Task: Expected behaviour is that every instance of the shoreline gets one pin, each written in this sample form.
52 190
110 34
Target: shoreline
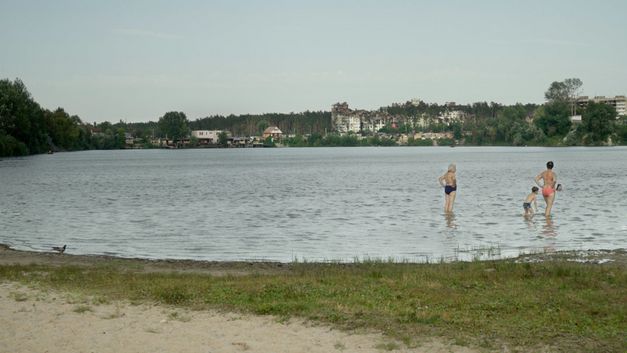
560 301
10 256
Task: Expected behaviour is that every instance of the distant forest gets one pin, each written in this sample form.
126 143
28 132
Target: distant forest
27 128
250 125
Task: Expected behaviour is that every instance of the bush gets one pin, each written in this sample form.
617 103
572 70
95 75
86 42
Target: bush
420 142
10 146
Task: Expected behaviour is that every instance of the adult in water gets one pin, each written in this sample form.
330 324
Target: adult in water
449 183
549 180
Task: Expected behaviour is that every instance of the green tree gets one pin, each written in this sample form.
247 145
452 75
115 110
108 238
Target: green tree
597 122
174 125
262 126
223 139
21 118
268 142
120 138
621 131
63 129
557 92
565 91
553 119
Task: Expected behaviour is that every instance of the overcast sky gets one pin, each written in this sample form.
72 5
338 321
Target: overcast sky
136 60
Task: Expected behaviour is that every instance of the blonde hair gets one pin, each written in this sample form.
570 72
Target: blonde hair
451 167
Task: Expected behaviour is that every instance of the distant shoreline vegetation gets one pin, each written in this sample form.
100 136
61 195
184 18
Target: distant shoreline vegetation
27 128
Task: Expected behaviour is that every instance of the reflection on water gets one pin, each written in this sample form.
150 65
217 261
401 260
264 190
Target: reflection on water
311 203
450 220
531 224
548 228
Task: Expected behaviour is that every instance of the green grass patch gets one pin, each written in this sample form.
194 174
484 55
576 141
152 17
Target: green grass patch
569 307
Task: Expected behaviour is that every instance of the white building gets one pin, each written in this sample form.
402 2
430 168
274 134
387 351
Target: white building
374 124
206 136
347 123
451 116
575 119
618 102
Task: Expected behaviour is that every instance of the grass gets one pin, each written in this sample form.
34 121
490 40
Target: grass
499 305
81 309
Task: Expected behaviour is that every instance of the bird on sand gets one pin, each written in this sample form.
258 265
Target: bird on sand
59 249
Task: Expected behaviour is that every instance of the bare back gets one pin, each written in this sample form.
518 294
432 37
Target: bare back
449 179
548 177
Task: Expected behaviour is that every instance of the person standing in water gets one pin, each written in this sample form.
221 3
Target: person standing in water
549 179
449 183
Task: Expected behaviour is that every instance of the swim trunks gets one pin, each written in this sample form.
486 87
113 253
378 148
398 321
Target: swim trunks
526 205
449 189
547 191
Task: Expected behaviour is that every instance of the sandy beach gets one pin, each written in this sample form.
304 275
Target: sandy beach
38 320
35 321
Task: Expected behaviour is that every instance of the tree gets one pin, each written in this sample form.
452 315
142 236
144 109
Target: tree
223 139
21 117
565 91
553 119
597 122
173 125
572 87
262 126
63 129
557 92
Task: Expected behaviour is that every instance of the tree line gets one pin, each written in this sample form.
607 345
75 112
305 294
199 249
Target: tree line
27 128
548 124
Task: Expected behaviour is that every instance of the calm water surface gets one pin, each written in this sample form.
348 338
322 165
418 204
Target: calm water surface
310 203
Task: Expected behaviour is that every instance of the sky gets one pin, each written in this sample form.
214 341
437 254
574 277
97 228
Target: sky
135 60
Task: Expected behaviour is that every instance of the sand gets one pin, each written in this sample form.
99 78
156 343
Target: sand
35 321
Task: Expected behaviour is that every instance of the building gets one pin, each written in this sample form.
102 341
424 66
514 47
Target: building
575 119
452 116
273 132
345 119
618 102
129 141
206 137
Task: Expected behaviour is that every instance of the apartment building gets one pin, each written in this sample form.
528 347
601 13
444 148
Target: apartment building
618 102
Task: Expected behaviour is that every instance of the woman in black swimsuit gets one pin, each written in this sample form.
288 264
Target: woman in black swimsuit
449 183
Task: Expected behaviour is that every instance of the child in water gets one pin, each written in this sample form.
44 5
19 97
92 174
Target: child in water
531 198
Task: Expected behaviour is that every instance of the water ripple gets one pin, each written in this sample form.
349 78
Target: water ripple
317 204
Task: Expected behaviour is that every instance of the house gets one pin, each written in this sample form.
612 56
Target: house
207 137
128 139
273 132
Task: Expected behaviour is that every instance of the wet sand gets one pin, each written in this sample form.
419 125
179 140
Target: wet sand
9 256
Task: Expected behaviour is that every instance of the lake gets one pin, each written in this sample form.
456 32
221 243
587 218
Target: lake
313 204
